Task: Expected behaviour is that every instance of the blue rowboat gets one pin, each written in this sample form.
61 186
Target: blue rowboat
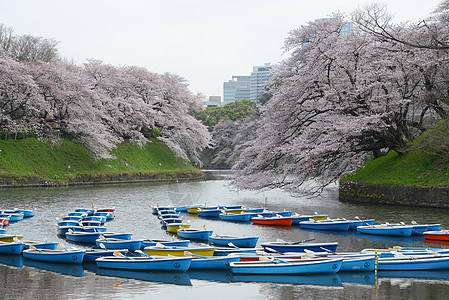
388 230
353 224
224 240
72 218
91 223
27 213
195 234
88 211
279 266
414 262
325 225
391 252
433 227
69 256
243 217
164 222
92 254
167 212
114 243
255 210
77 214
62 230
419 229
284 213
108 214
212 263
298 246
170 216
94 228
11 248
173 264
208 213
357 262
82 236
12 217
266 214
68 223
2 231
101 219
297 218
176 243
41 245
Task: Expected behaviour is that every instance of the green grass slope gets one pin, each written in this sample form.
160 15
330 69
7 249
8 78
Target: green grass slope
416 168
68 160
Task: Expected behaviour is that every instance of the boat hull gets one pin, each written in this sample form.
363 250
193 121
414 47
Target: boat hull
223 240
119 244
409 262
244 217
303 266
177 264
55 256
11 248
273 221
213 263
191 234
436 235
387 231
323 225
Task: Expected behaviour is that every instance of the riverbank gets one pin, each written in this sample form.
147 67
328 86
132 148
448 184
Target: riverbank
412 179
31 163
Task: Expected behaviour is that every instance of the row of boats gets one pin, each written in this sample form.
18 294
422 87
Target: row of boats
13 215
237 254
172 221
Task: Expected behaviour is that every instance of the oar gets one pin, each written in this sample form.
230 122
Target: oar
102 246
34 248
232 245
273 259
62 245
188 253
366 223
303 241
309 253
102 237
141 252
272 250
118 254
327 250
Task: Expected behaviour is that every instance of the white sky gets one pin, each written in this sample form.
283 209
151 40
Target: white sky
204 41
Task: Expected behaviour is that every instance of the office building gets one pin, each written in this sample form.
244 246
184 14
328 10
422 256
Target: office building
238 88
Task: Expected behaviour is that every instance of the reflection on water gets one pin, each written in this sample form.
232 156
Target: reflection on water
24 279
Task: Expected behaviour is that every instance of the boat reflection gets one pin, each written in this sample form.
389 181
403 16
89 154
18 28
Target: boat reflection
12 260
441 275
65 269
365 278
321 279
180 278
211 275
436 242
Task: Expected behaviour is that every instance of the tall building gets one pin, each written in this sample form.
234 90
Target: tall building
238 88
213 101
260 76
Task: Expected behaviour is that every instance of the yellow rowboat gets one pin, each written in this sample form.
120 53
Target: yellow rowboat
192 209
235 211
173 227
178 251
10 237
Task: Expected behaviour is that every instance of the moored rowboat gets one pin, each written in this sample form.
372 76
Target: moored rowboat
178 251
274 221
11 248
239 241
298 246
325 225
195 234
280 266
387 230
442 235
73 256
177 264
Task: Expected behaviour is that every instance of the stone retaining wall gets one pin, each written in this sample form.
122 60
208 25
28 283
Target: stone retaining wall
397 195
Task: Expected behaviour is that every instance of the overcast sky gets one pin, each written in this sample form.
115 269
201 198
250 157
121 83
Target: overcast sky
204 41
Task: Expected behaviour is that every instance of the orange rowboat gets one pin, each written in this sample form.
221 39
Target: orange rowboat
442 235
274 221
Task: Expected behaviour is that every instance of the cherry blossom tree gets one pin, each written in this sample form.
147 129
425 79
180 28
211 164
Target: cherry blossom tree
338 98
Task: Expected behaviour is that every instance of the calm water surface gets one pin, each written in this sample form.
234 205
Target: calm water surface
25 279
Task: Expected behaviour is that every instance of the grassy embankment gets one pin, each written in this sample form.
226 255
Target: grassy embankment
416 168
71 162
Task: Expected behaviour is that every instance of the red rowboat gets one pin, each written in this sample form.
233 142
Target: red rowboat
4 221
276 221
442 235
